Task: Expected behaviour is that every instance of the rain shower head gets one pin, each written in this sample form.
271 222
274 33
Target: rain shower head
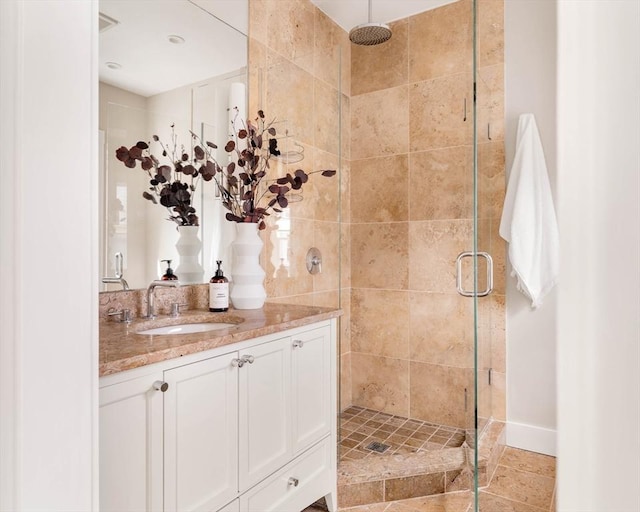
369 34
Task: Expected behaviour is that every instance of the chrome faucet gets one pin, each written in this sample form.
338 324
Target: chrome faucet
119 277
151 297
113 280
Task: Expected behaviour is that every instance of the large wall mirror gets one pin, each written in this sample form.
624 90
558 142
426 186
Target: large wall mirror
164 63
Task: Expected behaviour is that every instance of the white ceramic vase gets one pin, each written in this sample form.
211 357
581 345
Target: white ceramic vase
247 291
189 269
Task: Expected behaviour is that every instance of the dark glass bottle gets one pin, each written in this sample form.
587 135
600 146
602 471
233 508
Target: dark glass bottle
219 291
169 275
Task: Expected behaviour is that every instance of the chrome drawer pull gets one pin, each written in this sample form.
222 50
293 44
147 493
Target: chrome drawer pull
298 343
293 481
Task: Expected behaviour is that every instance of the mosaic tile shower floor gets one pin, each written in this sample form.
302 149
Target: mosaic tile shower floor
360 427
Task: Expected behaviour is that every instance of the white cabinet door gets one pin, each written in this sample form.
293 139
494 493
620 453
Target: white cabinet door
234 506
311 387
201 435
265 409
131 446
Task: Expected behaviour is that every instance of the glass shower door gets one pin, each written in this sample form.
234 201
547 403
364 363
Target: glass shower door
487 256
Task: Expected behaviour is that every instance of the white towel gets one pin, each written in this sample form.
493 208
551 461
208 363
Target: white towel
529 218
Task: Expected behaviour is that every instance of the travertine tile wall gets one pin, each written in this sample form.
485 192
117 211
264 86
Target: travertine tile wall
491 190
403 210
411 214
299 73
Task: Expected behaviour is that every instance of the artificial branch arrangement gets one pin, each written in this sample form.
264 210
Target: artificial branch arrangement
246 191
171 185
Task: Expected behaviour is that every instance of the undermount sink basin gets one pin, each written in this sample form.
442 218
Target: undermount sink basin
187 328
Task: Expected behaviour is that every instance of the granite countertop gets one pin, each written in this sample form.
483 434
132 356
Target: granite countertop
121 348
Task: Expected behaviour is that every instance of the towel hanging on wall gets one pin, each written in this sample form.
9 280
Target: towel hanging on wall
529 219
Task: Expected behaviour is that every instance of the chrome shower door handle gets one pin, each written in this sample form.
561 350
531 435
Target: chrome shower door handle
469 254
489 287
459 259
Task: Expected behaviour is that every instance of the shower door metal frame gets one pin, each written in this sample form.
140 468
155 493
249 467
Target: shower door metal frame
474 254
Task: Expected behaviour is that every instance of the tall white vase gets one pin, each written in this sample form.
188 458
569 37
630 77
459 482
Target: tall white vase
189 269
247 291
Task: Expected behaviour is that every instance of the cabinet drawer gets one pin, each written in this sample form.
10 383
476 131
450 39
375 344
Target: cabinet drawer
294 487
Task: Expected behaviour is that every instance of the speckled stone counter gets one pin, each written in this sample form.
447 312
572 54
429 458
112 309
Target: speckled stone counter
121 348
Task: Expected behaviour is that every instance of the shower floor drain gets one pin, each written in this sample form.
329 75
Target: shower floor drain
378 447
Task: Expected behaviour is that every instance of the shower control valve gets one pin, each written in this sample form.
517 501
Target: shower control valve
314 261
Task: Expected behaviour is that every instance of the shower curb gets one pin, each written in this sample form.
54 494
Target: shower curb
396 477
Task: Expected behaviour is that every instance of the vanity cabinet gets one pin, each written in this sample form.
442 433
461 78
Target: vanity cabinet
246 427
311 364
131 445
265 410
201 434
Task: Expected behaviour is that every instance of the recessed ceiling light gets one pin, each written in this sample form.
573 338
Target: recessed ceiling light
113 65
175 39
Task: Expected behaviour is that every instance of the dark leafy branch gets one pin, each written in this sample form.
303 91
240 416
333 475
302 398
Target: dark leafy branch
170 185
244 187
246 192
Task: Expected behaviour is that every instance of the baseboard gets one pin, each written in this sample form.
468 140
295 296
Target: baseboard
532 438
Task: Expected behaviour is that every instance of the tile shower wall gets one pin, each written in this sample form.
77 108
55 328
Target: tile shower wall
491 191
403 208
295 56
411 214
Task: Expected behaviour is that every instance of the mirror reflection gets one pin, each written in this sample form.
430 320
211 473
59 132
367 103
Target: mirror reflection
165 63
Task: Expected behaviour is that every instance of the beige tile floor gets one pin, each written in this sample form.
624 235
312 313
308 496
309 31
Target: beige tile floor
523 482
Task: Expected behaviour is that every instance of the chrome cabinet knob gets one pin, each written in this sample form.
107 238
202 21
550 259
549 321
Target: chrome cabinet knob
160 385
248 359
298 343
237 362
293 481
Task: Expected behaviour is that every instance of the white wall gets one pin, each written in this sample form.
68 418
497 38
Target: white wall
123 118
599 298
530 86
48 256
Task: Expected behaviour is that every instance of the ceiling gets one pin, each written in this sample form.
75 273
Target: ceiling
138 41
150 64
349 13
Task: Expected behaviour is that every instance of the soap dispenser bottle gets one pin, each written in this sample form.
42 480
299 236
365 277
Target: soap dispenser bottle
169 275
219 291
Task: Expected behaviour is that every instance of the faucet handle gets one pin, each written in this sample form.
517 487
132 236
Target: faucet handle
124 314
175 308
